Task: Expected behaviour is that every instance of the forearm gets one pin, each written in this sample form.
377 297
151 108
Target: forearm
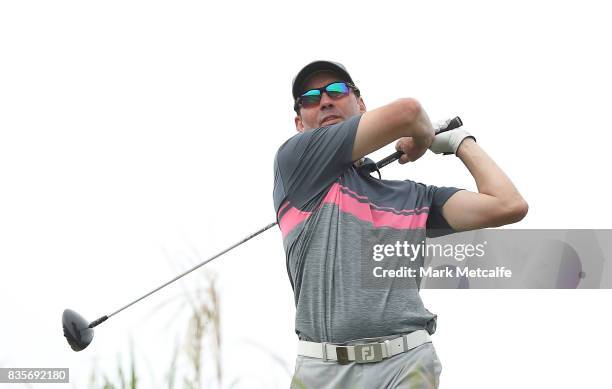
490 179
402 118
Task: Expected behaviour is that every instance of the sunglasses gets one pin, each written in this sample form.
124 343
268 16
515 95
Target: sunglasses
335 90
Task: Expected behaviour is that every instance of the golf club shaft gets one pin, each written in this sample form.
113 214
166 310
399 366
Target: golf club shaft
193 268
445 126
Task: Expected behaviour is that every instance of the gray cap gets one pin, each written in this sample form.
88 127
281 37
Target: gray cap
318 66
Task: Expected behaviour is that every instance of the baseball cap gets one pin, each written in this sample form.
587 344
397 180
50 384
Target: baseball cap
318 66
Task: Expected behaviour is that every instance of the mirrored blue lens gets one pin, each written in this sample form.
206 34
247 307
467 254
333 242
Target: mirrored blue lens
311 98
337 89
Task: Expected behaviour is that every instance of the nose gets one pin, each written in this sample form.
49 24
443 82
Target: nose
326 101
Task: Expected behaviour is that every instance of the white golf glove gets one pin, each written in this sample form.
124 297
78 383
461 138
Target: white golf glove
448 142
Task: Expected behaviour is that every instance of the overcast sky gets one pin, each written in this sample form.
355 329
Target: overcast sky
137 138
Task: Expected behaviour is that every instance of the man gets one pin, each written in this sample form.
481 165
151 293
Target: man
352 333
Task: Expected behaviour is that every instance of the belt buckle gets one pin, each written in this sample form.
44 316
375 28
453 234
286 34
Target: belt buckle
342 355
368 353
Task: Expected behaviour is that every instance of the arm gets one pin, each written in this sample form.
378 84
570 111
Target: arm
497 202
401 118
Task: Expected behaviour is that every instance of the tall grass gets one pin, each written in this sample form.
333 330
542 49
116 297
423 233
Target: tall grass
204 324
124 381
203 329
198 355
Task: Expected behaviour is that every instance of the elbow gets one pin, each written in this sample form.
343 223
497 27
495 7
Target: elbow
407 111
410 107
515 211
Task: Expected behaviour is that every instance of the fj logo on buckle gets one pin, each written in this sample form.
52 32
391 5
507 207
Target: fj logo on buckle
366 353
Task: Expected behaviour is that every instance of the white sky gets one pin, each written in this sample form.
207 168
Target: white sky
132 132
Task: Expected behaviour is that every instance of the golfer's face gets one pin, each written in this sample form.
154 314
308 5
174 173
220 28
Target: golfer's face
329 111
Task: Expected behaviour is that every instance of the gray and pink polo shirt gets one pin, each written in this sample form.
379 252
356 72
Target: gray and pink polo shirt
328 212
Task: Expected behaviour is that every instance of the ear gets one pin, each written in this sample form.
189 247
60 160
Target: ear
362 106
299 126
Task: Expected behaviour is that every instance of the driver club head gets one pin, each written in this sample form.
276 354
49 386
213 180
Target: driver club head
76 330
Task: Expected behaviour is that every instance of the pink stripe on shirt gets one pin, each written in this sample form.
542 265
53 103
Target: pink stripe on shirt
378 218
292 218
363 211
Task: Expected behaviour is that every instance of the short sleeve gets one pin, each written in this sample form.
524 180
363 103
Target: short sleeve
436 223
311 161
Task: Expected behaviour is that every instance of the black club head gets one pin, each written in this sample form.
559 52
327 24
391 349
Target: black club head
76 330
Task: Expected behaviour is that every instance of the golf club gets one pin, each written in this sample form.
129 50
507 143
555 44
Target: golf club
79 332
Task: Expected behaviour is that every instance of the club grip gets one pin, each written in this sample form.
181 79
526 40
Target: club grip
447 125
